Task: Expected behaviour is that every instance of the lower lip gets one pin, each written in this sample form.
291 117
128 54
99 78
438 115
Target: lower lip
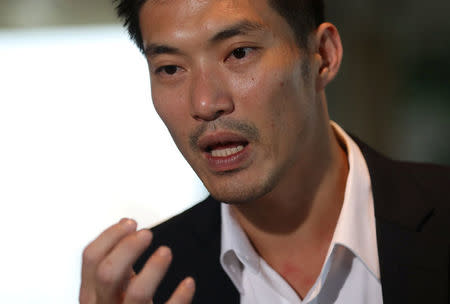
228 163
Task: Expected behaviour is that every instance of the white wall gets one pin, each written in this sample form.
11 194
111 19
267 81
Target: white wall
80 147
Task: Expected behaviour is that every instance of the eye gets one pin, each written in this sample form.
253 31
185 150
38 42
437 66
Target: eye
167 69
241 52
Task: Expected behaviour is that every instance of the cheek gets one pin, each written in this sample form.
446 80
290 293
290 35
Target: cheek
274 99
256 90
259 102
265 95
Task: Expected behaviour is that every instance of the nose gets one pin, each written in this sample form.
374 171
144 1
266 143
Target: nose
210 98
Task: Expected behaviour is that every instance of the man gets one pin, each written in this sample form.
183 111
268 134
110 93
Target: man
299 211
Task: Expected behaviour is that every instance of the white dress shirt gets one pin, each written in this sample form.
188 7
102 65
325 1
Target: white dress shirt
350 273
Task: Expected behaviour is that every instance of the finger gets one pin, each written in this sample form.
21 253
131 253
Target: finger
96 250
143 286
131 276
184 292
115 270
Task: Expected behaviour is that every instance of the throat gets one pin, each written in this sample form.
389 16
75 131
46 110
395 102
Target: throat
299 269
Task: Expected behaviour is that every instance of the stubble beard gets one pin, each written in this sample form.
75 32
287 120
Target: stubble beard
238 192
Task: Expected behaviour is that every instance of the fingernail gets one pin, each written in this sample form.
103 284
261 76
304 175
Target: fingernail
164 251
129 223
144 234
189 283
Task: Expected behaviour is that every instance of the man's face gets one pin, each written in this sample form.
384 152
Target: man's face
232 87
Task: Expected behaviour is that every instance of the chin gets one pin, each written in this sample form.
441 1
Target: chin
237 192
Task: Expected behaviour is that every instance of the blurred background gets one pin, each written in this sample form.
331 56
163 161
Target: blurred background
394 87
81 146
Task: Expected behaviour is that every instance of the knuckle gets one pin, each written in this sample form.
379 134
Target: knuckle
87 296
105 273
138 294
89 256
83 297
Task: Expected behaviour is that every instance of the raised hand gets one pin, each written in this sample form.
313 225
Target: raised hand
107 276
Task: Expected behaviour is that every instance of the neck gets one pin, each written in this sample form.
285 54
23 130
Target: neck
296 221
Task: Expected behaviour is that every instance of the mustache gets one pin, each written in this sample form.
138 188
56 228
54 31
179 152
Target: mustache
244 128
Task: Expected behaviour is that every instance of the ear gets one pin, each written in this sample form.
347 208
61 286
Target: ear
328 54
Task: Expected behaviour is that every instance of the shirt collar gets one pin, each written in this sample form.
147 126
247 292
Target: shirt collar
236 250
355 228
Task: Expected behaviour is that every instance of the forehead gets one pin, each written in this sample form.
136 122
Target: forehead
193 19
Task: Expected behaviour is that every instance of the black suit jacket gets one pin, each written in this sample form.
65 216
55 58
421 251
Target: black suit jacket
412 224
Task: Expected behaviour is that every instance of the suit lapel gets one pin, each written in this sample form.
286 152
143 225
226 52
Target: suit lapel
214 286
411 262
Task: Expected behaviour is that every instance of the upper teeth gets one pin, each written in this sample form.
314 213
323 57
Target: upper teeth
226 151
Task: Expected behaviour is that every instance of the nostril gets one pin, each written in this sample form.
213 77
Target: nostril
220 113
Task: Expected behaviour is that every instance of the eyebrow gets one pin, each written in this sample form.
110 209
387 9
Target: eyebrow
157 49
240 28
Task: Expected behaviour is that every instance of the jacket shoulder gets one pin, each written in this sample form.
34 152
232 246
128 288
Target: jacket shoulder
188 219
194 239
414 195
180 231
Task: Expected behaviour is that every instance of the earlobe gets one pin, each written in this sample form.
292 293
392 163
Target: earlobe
328 52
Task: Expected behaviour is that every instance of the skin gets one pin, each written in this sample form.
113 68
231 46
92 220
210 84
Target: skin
107 275
234 67
260 90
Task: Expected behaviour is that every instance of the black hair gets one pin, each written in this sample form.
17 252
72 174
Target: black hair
304 16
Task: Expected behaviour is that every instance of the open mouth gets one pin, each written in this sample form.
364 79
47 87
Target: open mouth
225 151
